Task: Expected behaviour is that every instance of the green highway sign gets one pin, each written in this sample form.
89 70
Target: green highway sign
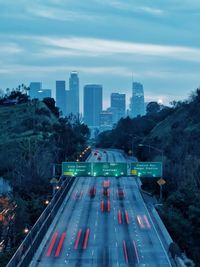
76 169
94 169
146 169
109 169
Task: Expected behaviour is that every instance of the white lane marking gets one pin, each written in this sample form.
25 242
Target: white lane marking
94 236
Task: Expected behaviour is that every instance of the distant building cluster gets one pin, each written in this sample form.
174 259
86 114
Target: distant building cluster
68 100
36 91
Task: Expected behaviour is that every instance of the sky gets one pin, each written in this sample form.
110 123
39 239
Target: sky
109 42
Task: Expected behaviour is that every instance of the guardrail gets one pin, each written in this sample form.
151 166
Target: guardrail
24 254
28 247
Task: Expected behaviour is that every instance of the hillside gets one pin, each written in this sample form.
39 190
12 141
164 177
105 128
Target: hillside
32 139
175 133
31 120
17 121
183 119
163 128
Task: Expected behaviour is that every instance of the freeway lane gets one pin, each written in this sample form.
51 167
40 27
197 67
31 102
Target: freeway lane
113 228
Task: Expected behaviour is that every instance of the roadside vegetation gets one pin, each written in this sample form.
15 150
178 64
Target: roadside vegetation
33 136
176 131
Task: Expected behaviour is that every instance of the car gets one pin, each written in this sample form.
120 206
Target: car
106 183
120 193
104 152
105 192
105 206
99 157
92 191
95 153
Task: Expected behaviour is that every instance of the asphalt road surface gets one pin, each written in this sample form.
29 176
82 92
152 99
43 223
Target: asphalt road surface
102 227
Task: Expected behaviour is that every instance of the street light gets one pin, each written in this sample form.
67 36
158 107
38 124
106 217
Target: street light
162 154
26 230
134 136
46 202
155 148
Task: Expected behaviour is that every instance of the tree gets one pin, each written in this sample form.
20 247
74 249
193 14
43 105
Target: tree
153 108
31 165
51 104
174 250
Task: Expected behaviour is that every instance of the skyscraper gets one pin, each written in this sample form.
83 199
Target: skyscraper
73 94
61 96
118 106
36 91
44 93
69 102
35 87
106 120
137 100
92 104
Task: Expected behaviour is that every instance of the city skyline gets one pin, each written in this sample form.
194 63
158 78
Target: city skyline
107 103
68 101
157 44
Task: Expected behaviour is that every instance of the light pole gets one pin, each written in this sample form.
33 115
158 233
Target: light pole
134 136
162 154
156 149
54 181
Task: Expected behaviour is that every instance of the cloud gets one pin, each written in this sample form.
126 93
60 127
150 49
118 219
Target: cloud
59 14
152 11
9 49
105 47
60 53
133 7
99 70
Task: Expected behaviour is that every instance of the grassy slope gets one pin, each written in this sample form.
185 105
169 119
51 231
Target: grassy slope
12 128
162 130
179 119
12 117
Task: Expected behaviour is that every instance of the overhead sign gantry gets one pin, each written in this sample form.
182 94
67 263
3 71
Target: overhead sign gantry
146 169
108 169
76 169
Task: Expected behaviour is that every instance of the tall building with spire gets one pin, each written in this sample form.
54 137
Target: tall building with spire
137 100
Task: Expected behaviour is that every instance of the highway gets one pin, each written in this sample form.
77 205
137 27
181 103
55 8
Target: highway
96 227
